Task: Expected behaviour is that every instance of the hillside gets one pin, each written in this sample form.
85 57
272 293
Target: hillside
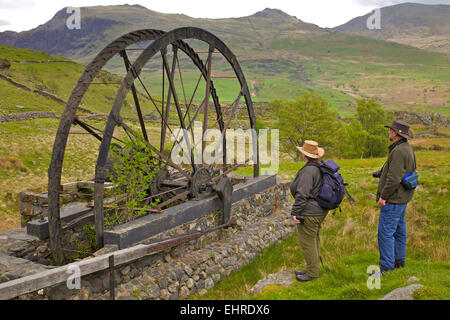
280 55
422 26
42 76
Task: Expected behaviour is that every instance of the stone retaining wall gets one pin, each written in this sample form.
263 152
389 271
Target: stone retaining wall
262 219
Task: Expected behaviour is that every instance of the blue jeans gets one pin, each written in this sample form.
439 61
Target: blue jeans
392 235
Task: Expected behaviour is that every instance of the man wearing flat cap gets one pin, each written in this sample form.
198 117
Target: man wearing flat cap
306 212
393 197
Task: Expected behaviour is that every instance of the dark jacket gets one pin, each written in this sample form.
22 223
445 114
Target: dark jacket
400 161
305 189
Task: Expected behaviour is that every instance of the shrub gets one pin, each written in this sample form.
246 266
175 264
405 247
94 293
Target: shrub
134 167
5 64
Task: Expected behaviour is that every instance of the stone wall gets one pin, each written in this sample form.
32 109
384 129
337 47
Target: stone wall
27 116
262 219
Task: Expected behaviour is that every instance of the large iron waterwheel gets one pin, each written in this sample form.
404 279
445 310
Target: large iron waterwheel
177 109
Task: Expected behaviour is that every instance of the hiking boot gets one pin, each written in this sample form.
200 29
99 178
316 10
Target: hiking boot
303 277
378 274
300 272
399 264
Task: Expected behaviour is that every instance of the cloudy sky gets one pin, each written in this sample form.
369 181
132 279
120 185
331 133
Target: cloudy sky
20 15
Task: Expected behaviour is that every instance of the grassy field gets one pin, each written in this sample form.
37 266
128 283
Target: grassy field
348 239
340 72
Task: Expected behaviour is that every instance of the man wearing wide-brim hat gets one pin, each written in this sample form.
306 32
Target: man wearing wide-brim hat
306 212
393 197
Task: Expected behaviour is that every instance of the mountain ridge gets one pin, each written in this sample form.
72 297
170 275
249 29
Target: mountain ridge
280 55
100 21
419 25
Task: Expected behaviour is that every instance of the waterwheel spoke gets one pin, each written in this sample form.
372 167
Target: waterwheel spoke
197 112
185 99
124 55
153 101
227 124
170 76
90 129
179 111
161 146
163 157
207 94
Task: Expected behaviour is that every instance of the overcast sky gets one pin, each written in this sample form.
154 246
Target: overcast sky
21 15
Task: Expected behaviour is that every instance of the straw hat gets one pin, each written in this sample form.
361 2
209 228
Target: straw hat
311 149
402 129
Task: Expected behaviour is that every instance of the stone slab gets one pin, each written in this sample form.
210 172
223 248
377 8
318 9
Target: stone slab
13 268
39 228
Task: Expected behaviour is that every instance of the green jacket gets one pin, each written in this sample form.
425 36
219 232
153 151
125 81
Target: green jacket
400 161
305 189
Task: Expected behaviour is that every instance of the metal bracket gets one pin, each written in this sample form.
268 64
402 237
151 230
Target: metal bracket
224 190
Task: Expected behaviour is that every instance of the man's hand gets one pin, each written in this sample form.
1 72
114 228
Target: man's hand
296 221
382 202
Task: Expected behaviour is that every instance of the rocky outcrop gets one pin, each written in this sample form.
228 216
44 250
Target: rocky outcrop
285 278
405 293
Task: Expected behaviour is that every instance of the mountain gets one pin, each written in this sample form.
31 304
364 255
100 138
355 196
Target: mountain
102 24
280 55
422 26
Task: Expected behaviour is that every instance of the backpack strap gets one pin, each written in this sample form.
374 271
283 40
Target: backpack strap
348 194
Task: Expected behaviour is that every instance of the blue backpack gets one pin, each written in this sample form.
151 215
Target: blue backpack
332 189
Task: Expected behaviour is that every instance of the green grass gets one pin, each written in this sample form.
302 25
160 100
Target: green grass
12 53
11 97
59 79
25 153
348 239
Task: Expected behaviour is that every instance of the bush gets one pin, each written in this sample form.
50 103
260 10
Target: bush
134 167
5 64
259 125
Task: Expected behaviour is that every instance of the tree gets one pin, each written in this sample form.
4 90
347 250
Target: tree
306 118
353 140
373 118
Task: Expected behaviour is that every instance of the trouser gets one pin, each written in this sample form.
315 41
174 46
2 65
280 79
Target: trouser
392 235
308 236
